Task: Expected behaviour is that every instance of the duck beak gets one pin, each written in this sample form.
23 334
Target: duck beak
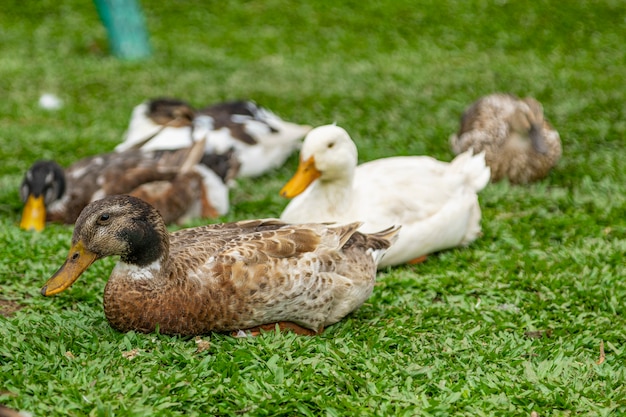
34 214
304 176
76 263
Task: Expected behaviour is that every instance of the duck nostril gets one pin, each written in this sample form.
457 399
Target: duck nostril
75 256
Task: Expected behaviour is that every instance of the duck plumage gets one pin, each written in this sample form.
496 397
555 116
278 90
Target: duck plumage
435 202
260 139
518 142
173 181
222 277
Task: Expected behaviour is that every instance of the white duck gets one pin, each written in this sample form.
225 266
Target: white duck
435 202
260 139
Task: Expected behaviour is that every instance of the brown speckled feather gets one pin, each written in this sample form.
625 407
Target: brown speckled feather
175 198
230 276
154 177
519 143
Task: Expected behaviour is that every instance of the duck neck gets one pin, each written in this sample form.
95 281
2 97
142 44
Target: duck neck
146 263
147 244
333 196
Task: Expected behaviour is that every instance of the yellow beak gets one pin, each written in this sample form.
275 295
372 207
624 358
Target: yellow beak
34 214
76 263
304 176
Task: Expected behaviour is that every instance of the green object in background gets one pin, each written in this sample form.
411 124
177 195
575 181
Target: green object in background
125 25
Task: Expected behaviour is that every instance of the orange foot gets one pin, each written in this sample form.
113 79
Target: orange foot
282 326
418 260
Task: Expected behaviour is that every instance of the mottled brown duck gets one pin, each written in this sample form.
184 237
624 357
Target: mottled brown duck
223 277
173 181
518 142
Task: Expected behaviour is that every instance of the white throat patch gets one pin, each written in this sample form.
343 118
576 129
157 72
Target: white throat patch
137 272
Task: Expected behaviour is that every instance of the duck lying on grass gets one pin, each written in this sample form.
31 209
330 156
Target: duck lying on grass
260 139
223 277
435 202
174 182
518 142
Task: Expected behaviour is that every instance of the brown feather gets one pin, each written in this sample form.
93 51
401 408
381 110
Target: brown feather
164 179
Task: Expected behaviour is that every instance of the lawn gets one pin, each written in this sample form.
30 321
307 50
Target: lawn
512 325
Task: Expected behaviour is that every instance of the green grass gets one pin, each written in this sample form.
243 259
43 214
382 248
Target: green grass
510 325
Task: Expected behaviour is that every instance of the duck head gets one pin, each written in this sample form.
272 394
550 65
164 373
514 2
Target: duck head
171 112
116 225
527 121
43 184
328 153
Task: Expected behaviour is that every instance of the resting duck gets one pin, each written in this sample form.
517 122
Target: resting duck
173 181
434 202
261 140
519 144
222 277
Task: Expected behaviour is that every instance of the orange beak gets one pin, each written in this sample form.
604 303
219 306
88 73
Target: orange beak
76 263
304 176
34 214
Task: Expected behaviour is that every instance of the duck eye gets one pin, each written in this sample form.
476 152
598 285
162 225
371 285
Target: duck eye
331 144
104 218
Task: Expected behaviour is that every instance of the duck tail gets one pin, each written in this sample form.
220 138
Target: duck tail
378 243
390 235
377 240
473 167
283 132
347 233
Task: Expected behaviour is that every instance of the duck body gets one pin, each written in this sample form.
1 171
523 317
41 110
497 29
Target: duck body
435 202
260 139
223 277
518 142
171 181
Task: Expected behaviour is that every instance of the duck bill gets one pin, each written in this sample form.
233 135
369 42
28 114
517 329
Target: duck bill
304 176
34 214
76 263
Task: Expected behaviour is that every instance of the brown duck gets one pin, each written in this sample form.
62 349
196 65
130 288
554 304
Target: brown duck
225 277
519 143
172 181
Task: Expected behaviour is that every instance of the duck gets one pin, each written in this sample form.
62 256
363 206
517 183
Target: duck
261 140
180 187
434 202
519 143
243 276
